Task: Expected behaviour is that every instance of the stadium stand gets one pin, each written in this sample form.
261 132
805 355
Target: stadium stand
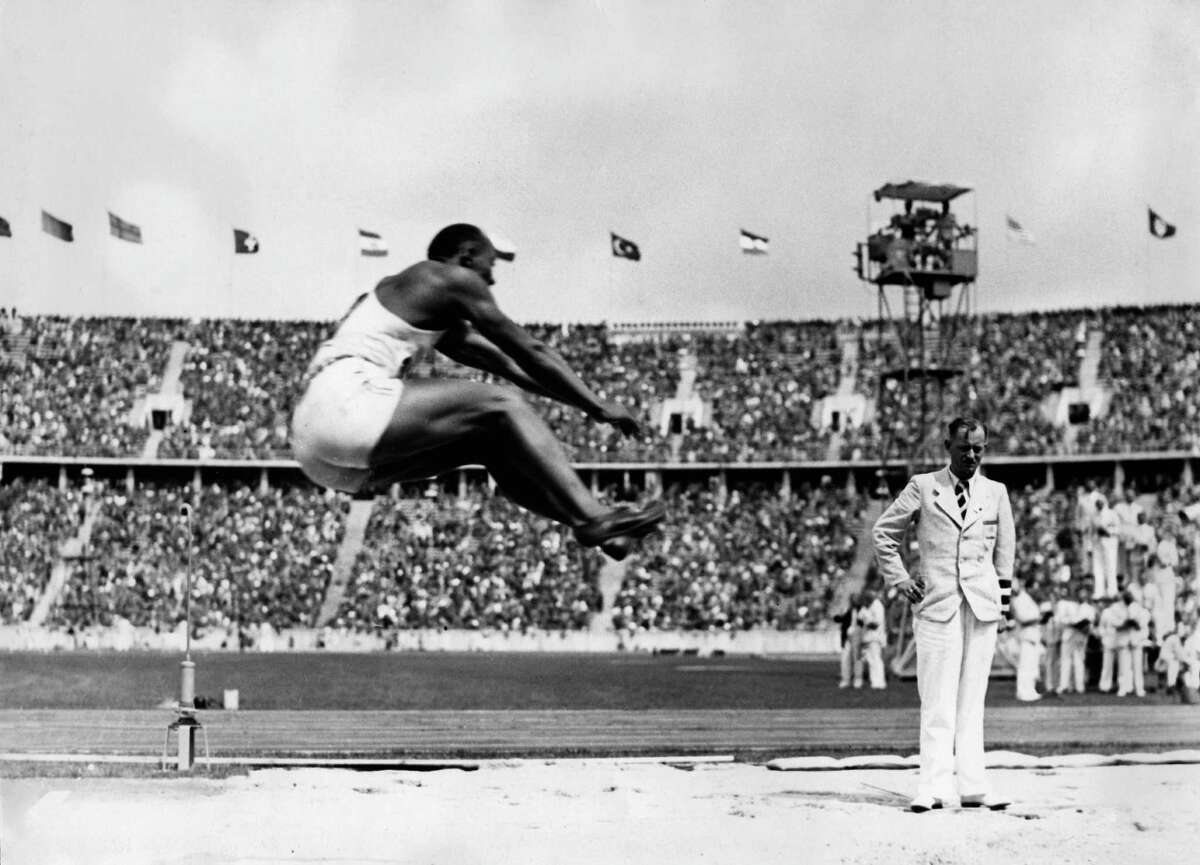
742 549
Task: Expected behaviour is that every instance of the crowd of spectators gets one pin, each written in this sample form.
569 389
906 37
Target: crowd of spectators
438 561
1149 360
36 518
1011 365
71 387
73 384
243 379
742 558
762 385
260 556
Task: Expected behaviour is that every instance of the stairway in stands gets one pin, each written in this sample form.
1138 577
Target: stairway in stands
864 556
1089 384
847 338
170 385
70 550
347 554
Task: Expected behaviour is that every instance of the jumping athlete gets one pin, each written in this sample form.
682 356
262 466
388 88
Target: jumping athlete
361 426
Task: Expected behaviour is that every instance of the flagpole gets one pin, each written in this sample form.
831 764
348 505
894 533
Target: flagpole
229 283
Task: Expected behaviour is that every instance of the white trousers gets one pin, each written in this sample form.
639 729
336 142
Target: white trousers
852 665
872 655
1130 674
1029 653
1104 567
954 660
1108 661
1070 661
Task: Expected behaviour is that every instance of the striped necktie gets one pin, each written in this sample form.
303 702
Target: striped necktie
960 490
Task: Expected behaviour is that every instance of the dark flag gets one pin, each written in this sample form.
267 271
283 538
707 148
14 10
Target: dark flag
623 248
372 244
57 228
5 230
1159 227
123 230
753 244
244 243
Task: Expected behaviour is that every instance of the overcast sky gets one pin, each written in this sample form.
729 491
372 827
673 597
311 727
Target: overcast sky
553 122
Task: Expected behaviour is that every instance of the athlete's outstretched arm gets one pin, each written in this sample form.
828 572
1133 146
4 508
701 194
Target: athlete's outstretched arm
542 364
468 346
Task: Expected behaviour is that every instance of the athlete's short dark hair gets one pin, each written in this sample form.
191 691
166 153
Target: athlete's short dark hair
966 424
446 243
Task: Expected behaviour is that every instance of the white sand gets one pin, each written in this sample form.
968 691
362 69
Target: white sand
569 812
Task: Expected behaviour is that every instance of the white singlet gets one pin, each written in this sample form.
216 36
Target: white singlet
353 385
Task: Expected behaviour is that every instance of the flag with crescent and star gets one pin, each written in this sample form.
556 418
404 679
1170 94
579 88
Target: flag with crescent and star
623 248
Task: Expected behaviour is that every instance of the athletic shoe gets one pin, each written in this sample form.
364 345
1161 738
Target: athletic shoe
618 548
625 521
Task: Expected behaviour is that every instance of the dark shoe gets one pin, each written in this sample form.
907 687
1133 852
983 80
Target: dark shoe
621 521
618 548
921 804
989 801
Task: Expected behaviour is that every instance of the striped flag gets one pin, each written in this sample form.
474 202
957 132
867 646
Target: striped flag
372 244
1159 227
754 244
57 228
123 230
1017 233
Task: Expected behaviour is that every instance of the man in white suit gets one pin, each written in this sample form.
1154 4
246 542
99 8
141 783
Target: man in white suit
967 542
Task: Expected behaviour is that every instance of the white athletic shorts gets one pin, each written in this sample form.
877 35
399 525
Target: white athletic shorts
339 420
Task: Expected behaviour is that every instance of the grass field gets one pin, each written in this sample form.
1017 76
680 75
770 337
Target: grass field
459 681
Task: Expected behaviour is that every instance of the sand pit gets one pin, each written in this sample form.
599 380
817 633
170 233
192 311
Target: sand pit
593 812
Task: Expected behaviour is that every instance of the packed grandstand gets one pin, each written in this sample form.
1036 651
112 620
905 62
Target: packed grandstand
771 442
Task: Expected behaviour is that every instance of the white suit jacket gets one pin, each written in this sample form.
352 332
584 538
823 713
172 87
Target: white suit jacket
958 558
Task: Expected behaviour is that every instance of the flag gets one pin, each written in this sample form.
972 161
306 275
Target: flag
123 230
623 248
754 244
244 243
5 230
1016 232
57 228
1159 227
372 244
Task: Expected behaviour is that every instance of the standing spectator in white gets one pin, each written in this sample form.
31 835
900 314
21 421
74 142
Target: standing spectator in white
852 665
1075 617
1106 534
1028 618
1108 629
1131 645
1141 546
1127 511
966 540
1051 639
1170 661
1167 554
1163 581
873 630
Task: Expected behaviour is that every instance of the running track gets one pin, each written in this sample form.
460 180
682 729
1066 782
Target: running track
747 733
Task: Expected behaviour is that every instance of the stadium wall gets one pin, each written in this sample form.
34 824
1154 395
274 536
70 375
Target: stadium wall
130 639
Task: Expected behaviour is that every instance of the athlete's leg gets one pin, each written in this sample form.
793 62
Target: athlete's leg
439 425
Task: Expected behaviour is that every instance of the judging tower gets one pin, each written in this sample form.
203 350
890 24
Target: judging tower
921 256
